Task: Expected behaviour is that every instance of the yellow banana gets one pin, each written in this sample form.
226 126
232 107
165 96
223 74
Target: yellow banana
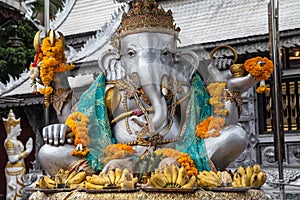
44 184
105 178
95 179
214 174
36 40
207 183
124 173
62 38
256 168
154 183
181 180
52 37
73 173
191 182
241 170
237 179
89 185
174 173
112 176
78 178
80 185
254 180
49 180
168 173
118 174
159 180
261 178
249 171
245 181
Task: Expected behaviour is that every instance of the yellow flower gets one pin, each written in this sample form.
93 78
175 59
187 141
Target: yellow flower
260 68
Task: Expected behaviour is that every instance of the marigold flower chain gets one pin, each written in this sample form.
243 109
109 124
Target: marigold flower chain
78 122
216 92
52 61
210 127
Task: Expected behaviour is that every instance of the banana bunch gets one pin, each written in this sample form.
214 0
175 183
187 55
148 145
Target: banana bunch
209 179
249 176
114 178
45 182
172 177
76 179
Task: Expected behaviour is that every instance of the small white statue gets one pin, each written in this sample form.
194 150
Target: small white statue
15 168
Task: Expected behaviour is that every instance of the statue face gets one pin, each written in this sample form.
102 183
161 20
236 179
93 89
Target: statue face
15 130
148 56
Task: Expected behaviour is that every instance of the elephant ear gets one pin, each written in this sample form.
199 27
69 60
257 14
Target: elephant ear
110 65
186 62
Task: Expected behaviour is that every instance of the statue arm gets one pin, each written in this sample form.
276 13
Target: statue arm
241 84
13 157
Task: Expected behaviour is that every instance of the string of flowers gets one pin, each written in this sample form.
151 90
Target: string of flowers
78 122
52 60
182 158
210 127
117 151
261 69
216 92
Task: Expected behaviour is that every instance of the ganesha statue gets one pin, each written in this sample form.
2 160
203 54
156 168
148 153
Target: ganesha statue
149 97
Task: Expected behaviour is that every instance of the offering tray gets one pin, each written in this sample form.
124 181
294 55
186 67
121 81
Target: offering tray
49 191
171 190
227 189
109 190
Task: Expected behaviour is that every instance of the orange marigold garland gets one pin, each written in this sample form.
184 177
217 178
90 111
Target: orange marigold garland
52 61
216 92
210 127
261 69
117 151
182 158
78 122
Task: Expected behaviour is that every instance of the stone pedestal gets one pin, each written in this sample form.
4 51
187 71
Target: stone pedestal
199 194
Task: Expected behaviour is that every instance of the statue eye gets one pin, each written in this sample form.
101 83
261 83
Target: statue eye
165 53
131 53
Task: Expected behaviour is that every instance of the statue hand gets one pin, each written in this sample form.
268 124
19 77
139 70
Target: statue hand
218 70
222 63
55 134
29 145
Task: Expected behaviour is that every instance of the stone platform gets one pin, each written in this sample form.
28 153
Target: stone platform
252 194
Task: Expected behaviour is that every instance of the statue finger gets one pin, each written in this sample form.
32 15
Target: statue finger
50 134
45 134
63 130
56 134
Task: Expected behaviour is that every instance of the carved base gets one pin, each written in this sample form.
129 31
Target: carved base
250 194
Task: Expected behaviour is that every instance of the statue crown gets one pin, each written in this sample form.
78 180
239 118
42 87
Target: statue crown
10 121
146 16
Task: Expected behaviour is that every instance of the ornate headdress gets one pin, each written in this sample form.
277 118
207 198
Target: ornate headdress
10 121
145 16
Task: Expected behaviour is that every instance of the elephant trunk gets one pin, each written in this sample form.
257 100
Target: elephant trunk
159 105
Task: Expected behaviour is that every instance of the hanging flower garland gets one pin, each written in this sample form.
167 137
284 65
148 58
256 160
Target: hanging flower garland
182 158
117 151
216 92
78 122
51 60
210 127
261 69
